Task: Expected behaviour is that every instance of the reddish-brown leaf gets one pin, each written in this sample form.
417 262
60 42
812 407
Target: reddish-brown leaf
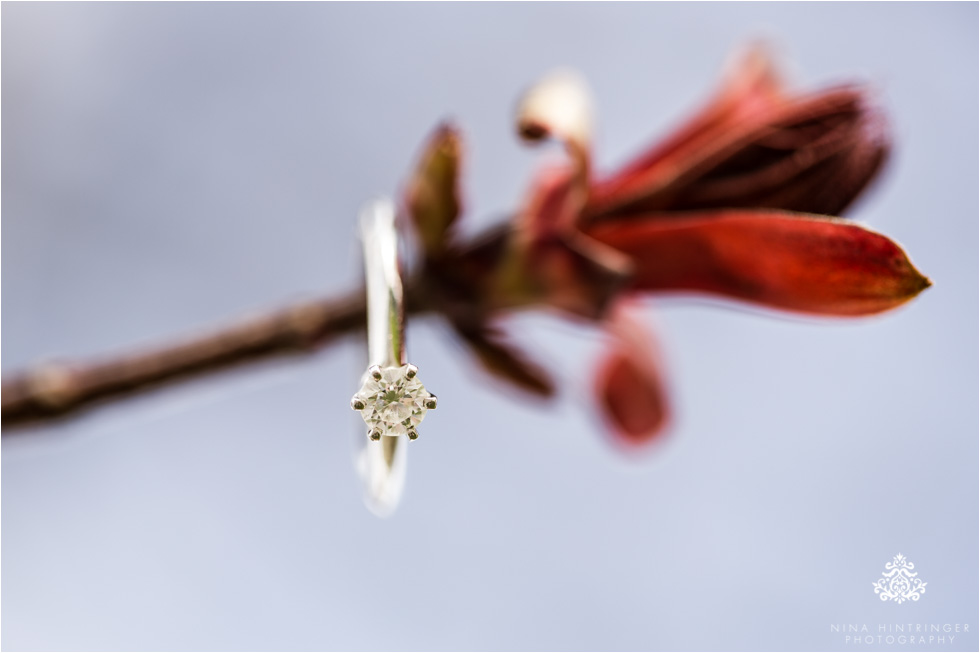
546 260
799 262
504 361
628 384
570 272
756 148
432 193
751 88
553 204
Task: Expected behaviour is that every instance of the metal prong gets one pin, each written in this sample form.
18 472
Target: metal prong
431 402
411 371
357 403
413 434
375 372
374 434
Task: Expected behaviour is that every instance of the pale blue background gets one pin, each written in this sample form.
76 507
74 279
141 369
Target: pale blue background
166 167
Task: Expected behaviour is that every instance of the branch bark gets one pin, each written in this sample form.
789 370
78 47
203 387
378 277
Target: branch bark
56 389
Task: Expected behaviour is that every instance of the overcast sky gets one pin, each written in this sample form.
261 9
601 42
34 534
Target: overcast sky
170 166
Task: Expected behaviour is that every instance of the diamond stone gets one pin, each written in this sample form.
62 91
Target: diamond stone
395 403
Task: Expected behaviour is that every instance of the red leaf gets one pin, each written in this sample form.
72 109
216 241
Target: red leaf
798 262
752 87
756 148
628 383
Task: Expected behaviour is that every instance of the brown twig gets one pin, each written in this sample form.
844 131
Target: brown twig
57 389
52 390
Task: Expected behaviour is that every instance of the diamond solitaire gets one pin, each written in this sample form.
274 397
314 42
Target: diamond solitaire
392 401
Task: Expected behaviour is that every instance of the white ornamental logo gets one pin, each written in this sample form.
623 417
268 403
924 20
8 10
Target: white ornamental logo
899 582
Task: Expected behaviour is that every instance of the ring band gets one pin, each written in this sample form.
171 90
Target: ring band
385 295
392 400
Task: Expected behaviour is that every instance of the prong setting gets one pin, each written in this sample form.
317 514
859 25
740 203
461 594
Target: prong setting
392 401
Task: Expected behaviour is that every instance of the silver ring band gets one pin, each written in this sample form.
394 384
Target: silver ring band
385 296
392 400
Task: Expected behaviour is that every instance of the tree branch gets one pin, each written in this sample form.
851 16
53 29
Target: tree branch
53 390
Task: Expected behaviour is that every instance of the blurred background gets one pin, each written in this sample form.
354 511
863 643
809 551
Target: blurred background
167 167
